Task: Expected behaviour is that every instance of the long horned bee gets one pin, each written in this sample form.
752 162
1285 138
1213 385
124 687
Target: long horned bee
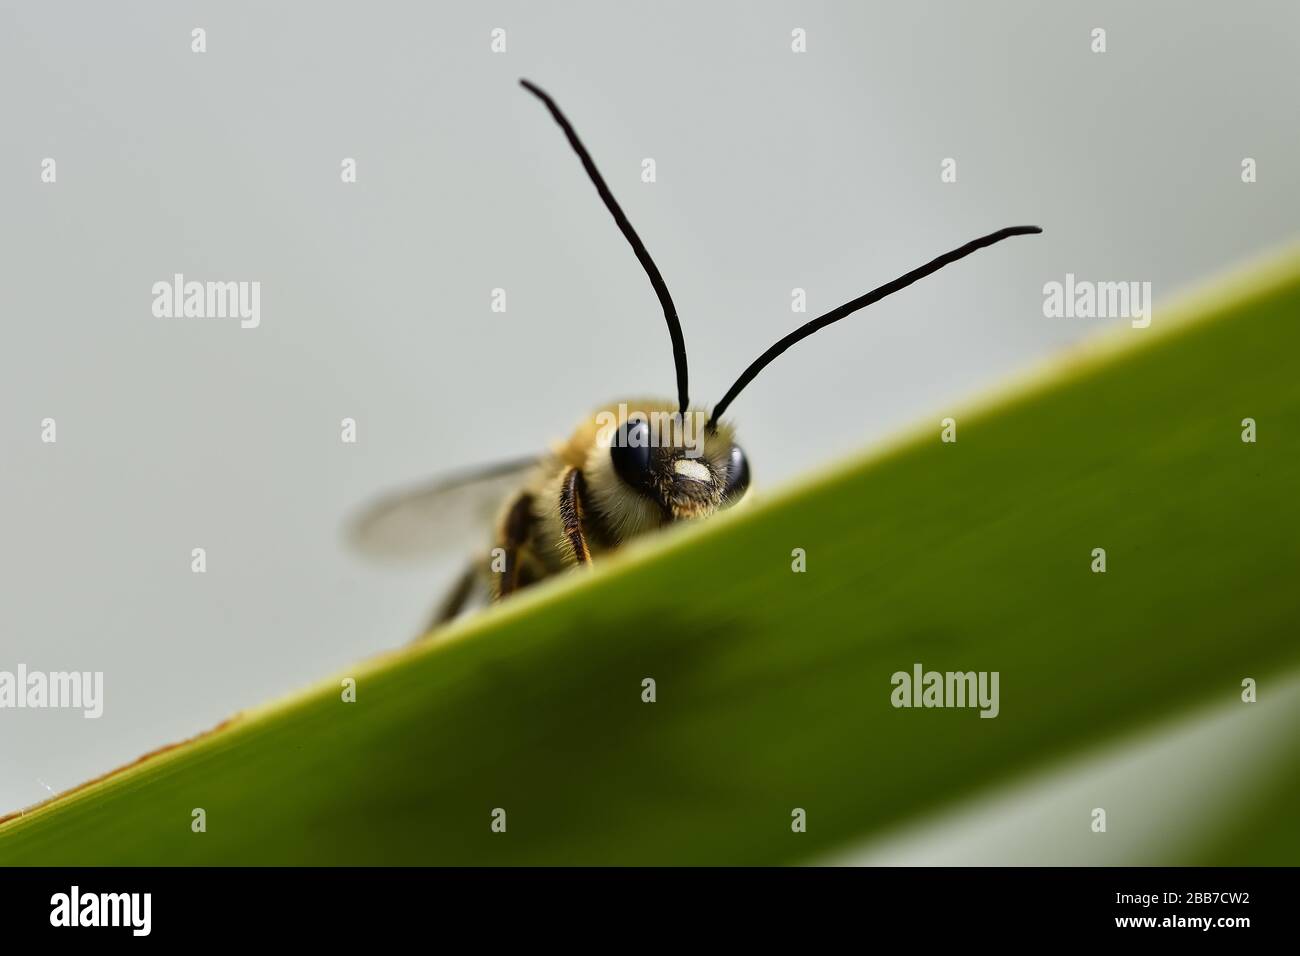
629 468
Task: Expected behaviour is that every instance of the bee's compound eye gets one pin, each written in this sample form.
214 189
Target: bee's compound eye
737 474
630 452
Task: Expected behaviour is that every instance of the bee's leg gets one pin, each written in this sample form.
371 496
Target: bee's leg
457 597
573 513
516 532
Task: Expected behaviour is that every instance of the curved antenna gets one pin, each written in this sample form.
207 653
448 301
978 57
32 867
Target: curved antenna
648 264
848 308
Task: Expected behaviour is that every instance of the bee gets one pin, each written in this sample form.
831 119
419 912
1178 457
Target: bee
629 468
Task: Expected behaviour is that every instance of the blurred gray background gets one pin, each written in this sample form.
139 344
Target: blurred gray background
775 170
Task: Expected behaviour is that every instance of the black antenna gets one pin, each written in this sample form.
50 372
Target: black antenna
848 308
648 264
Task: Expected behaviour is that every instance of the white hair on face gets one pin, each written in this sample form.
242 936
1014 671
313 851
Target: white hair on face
624 511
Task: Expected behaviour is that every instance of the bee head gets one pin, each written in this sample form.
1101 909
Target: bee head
674 461
656 466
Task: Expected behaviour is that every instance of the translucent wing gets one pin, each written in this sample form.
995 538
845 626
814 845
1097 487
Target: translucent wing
449 515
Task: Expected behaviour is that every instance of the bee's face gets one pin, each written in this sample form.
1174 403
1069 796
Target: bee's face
685 473
650 466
